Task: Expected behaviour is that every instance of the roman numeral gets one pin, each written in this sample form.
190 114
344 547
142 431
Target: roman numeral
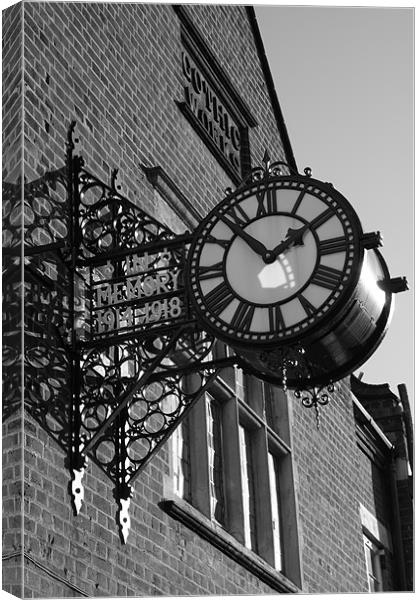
219 298
236 214
322 218
327 277
275 318
306 305
242 318
271 197
261 210
209 272
298 202
333 245
212 240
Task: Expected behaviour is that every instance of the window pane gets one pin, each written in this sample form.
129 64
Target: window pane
214 440
181 462
373 565
275 510
248 496
271 408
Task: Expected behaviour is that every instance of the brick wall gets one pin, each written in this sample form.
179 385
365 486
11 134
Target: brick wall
116 69
12 496
12 93
325 461
334 477
12 488
73 556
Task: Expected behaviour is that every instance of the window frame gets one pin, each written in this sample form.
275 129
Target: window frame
373 551
242 402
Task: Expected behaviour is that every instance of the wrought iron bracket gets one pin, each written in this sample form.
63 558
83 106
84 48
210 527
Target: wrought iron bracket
114 358
108 392
313 397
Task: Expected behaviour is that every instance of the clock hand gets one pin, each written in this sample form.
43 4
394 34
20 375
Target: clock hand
254 244
293 236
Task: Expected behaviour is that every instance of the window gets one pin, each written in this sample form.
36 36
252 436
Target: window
247 487
275 509
377 541
232 463
215 459
373 564
181 464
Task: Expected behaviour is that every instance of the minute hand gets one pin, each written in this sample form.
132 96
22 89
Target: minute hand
293 236
256 245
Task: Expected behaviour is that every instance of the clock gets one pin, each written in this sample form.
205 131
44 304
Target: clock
273 263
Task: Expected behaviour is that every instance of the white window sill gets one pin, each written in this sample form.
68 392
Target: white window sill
185 513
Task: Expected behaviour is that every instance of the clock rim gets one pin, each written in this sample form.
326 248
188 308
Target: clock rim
243 193
364 352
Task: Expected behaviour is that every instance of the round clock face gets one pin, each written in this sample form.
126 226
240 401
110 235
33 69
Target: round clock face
269 263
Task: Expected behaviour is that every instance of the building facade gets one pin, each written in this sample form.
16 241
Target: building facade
253 493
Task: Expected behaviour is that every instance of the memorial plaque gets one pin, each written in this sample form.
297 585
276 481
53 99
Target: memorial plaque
135 293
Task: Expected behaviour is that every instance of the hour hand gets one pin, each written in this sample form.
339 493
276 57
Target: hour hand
254 244
293 237
296 235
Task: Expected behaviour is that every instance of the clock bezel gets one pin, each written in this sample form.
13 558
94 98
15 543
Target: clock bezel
327 311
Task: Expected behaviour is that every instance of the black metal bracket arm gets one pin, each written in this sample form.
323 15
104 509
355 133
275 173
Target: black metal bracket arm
395 285
372 240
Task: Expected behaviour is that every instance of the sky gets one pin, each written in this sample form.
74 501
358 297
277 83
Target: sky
345 83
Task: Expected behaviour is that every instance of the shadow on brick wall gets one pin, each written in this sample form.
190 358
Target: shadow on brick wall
36 289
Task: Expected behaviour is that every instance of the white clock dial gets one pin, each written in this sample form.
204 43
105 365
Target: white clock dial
268 264
266 283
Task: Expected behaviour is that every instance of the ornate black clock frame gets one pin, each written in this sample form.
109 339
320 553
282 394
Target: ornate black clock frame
265 205
116 351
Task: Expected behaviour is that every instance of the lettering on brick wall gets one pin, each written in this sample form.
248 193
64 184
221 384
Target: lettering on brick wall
209 110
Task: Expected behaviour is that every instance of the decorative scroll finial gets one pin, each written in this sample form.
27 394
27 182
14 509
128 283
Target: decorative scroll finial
77 464
265 171
70 132
77 490
314 398
113 185
266 160
123 496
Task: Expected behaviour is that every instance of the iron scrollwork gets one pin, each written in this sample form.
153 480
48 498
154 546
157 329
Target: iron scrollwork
91 394
266 171
109 394
113 355
315 397
35 215
110 222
